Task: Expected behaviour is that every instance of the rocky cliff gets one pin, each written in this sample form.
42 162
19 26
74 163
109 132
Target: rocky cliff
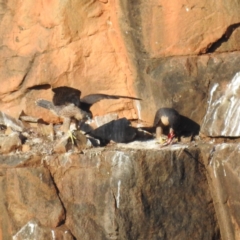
181 54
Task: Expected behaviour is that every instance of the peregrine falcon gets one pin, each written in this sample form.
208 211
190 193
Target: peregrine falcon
166 118
66 111
66 103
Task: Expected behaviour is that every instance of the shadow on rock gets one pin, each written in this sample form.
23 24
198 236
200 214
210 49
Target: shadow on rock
187 127
119 131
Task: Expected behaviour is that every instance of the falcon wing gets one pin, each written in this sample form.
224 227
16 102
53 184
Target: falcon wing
89 100
65 95
93 98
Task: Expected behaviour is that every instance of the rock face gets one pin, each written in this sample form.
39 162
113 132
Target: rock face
109 194
180 54
223 175
61 43
135 186
129 191
223 112
146 49
10 143
28 195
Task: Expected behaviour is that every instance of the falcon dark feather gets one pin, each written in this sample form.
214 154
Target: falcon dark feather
89 100
66 95
166 118
63 95
169 121
67 111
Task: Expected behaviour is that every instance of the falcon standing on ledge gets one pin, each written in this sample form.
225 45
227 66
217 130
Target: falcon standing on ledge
67 111
66 103
166 118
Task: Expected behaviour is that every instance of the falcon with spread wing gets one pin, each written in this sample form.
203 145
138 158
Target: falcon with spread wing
63 95
66 103
67 111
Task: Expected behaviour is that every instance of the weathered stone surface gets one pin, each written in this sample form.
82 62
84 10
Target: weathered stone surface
116 47
183 83
222 164
10 143
107 194
101 120
28 194
61 43
26 148
159 34
163 28
223 113
129 191
11 122
149 49
19 160
33 230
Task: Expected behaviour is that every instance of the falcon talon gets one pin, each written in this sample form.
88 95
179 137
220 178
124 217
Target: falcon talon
72 136
161 141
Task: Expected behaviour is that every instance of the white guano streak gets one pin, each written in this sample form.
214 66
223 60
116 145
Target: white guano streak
230 99
118 194
53 235
138 106
30 225
232 119
210 105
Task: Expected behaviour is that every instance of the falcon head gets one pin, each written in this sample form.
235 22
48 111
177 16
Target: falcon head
82 115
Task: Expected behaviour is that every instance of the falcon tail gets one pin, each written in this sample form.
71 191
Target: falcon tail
45 104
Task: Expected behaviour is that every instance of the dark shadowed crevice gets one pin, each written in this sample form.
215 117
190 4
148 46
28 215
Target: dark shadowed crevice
28 70
225 37
57 191
40 87
196 158
64 209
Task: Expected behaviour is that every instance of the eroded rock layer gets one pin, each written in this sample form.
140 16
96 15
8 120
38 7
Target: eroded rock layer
180 54
109 193
166 53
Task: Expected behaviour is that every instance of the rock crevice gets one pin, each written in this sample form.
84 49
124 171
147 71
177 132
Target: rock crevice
225 37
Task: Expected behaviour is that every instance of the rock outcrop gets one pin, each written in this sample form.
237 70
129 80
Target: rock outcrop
146 49
223 112
123 192
109 193
180 54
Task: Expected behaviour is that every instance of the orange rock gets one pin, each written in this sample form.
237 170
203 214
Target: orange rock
26 148
10 143
39 191
183 28
53 48
101 48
